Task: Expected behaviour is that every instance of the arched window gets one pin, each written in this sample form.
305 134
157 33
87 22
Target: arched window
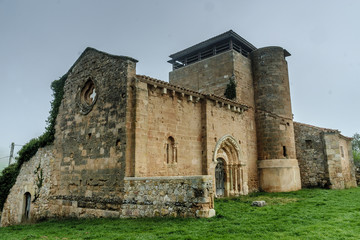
171 151
88 93
86 98
27 199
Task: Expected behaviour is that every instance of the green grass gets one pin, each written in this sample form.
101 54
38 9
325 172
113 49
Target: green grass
306 214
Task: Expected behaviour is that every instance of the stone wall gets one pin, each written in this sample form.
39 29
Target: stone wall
347 162
91 130
242 128
244 79
341 165
183 196
163 117
278 167
325 157
310 154
273 105
196 123
34 178
168 196
210 75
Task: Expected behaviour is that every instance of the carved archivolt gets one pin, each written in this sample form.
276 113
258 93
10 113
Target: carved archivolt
229 146
230 171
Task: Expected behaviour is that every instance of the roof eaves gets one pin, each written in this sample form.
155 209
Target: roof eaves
211 41
154 81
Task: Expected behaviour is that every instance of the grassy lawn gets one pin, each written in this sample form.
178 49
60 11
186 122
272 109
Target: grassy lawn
306 214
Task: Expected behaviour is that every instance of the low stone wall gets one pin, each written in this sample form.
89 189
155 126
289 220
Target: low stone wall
189 196
34 178
180 196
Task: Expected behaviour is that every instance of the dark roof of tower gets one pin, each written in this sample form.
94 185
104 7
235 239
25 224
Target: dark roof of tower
223 42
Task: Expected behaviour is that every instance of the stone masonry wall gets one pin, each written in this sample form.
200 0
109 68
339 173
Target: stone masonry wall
340 162
168 196
341 165
210 75
183 196
278 167
325 157
163 116
332 149
244 79
90 159
220 122
347 162
310 154
196 124
34 178
275 132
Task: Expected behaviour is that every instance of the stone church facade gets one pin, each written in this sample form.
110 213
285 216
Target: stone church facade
128 145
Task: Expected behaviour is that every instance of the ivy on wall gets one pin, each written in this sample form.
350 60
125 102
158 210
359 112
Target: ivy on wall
38 181
30 149
8 175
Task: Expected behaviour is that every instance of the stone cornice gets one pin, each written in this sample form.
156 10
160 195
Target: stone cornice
193 95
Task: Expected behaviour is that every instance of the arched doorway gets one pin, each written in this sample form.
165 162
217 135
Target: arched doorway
27 199
220 178
230 170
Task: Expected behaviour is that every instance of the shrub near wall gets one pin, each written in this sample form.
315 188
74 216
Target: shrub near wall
7 180
10 173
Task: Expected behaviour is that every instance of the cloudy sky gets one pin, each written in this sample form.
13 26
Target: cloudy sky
40 40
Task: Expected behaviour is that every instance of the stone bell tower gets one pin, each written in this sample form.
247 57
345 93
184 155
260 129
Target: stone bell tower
277 163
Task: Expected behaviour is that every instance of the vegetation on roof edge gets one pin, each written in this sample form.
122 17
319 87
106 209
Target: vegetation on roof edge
9 174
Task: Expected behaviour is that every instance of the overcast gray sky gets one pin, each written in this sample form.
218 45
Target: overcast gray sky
40 40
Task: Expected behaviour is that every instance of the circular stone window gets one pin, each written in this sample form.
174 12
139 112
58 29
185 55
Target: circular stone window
87 97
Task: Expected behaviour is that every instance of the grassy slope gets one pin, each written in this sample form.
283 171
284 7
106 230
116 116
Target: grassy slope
306 214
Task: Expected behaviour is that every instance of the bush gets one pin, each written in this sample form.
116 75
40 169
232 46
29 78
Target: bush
356 155
356 148
7 180
9 174
230 91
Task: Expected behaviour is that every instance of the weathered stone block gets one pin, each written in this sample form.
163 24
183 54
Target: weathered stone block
258 203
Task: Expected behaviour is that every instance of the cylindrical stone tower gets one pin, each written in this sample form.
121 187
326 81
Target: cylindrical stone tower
278 166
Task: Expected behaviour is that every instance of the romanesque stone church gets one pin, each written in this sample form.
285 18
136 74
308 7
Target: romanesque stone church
128 145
